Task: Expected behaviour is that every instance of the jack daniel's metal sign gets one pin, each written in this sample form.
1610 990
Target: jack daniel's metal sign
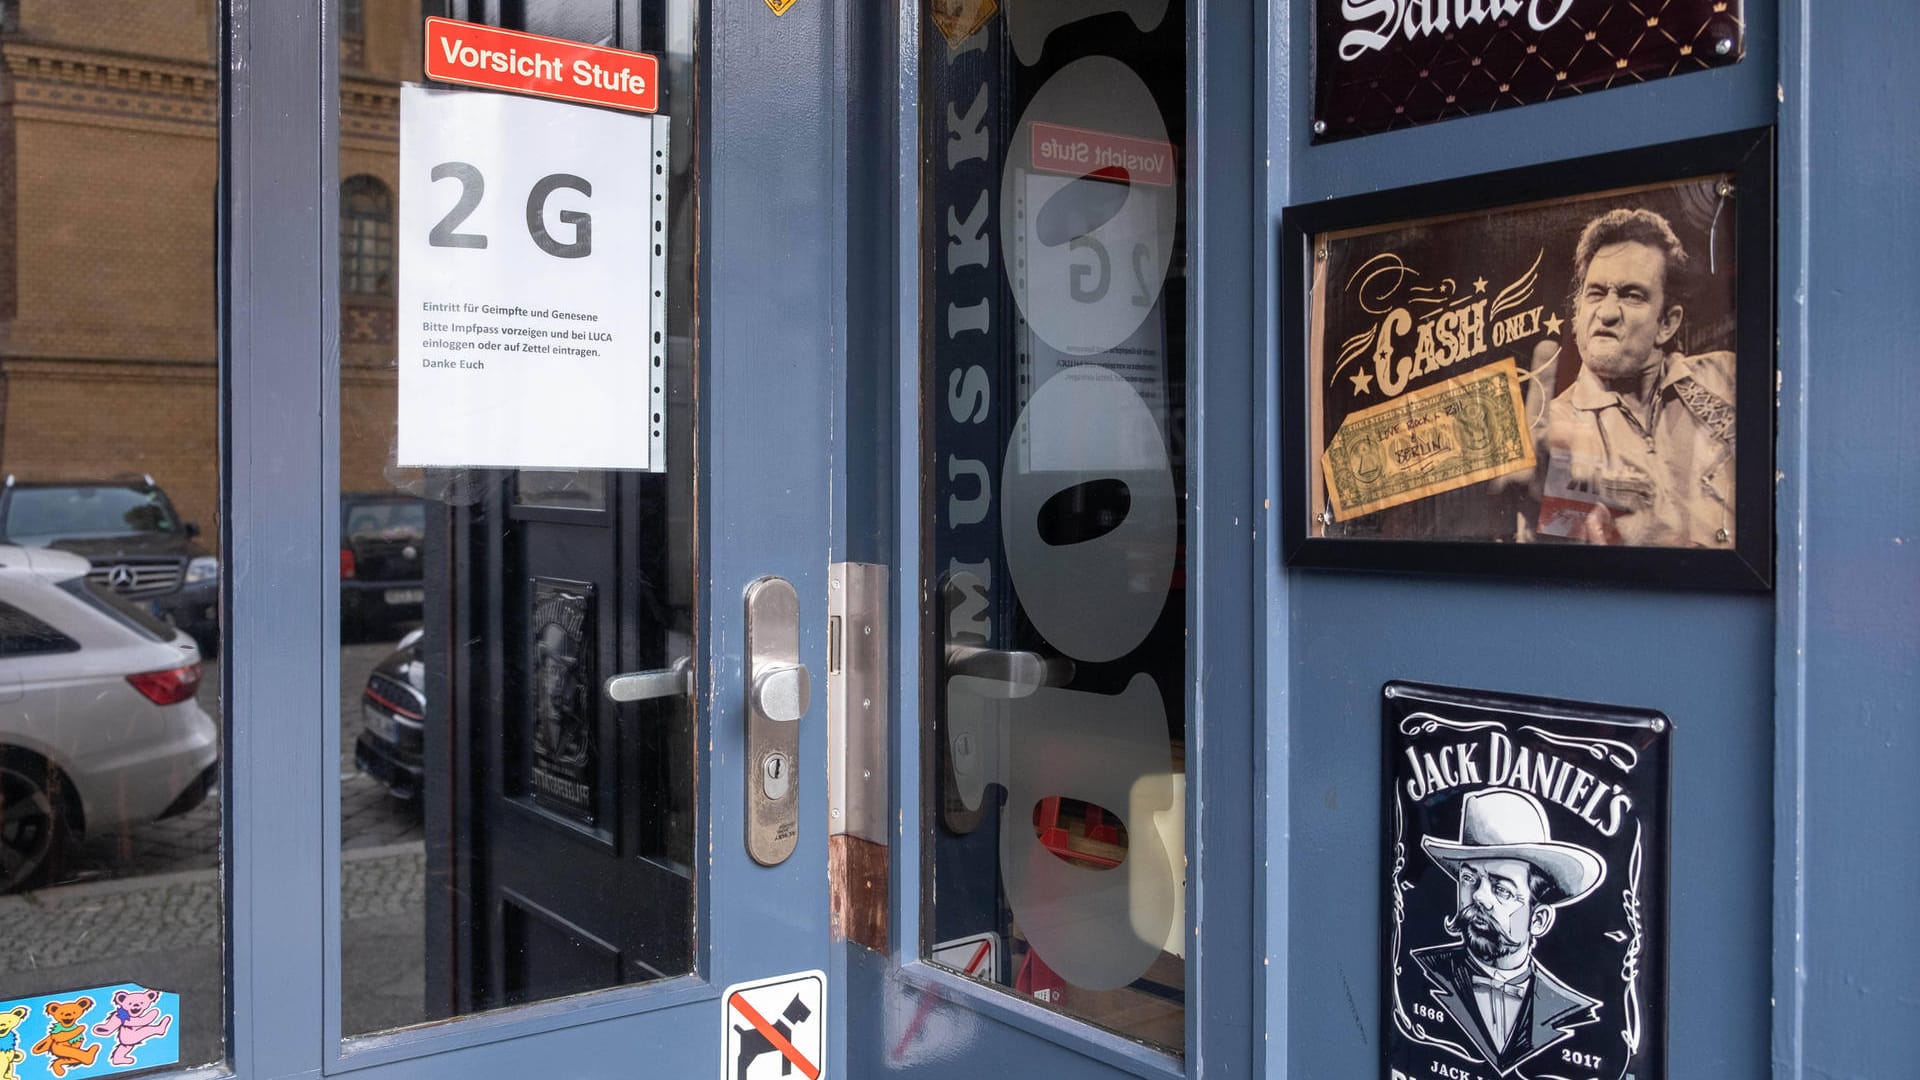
1525 935
1382 64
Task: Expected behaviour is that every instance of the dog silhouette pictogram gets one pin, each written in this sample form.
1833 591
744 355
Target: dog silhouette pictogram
753 1044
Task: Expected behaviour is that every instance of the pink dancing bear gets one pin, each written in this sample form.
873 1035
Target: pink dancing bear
135 1020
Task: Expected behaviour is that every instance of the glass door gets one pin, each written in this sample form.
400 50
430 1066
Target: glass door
1077 649
1055 367
1080 725
586 366
576 786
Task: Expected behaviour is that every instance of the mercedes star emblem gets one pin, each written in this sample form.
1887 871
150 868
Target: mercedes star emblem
121 578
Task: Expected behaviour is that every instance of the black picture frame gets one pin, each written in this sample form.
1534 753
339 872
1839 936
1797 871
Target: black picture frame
1747 564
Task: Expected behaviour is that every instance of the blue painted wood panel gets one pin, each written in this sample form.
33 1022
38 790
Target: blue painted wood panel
1707 660
1850 655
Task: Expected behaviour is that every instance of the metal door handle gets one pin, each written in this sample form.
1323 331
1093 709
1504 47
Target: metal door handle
782 692
1019 671
675 681
779 690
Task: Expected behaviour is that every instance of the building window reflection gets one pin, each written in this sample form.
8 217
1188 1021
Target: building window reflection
353 33
366 237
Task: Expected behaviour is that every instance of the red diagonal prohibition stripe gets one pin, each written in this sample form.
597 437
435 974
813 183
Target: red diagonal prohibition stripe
979 954
779 1041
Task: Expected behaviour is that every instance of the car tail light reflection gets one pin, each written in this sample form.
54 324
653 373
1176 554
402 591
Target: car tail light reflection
346 562
392 706
170 687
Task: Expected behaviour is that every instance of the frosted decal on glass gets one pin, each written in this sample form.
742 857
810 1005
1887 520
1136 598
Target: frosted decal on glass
1096 233
1099 598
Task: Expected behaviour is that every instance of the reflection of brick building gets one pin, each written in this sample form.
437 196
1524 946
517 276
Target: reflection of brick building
380 48
108 161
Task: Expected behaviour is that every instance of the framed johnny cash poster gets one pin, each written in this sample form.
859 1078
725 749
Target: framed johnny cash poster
1562 371
1524 929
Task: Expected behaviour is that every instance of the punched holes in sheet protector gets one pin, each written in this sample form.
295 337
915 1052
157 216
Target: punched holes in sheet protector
659 227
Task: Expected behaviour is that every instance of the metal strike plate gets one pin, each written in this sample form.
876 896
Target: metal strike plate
857 728
779 691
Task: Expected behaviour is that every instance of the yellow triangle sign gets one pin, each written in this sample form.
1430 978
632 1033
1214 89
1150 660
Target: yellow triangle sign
779 6
959 20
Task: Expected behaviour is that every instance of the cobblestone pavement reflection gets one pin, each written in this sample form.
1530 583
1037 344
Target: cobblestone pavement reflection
78 924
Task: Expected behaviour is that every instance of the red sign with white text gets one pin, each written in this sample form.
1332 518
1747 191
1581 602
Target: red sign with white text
475 55
1103 155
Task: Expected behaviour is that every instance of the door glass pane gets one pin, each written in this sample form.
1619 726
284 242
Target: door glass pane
510 832
1054 501
110 540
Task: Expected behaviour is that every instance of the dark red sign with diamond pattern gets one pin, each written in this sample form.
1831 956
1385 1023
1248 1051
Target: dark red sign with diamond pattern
1383 64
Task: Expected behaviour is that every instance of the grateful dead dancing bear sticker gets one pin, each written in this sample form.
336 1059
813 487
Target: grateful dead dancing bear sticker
81 1034
1526 856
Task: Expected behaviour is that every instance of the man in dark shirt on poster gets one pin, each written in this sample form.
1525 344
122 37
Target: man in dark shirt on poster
1640 449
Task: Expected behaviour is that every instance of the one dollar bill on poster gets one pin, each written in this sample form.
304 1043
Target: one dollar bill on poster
1441 437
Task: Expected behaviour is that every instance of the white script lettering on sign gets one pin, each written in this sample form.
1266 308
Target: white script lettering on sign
1381 20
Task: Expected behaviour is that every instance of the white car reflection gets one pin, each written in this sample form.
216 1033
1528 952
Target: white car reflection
99 728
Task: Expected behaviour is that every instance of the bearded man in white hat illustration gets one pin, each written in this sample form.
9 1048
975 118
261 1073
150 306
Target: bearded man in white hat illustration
1511 878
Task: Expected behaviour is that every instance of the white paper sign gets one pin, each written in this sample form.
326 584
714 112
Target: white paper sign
532 283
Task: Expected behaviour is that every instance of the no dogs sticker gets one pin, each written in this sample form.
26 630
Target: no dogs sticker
775 1028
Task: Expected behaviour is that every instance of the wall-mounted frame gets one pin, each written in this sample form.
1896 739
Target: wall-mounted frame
1438 413
1525 886
1379 66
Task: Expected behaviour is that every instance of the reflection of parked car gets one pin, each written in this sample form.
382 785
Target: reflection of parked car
381 536
98 723
394 708
135 540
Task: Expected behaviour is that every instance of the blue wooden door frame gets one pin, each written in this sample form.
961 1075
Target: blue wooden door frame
1847 634
978 1031
1816 700
770 357
1798 741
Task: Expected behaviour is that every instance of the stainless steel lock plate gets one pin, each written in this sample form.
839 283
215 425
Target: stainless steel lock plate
779 692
